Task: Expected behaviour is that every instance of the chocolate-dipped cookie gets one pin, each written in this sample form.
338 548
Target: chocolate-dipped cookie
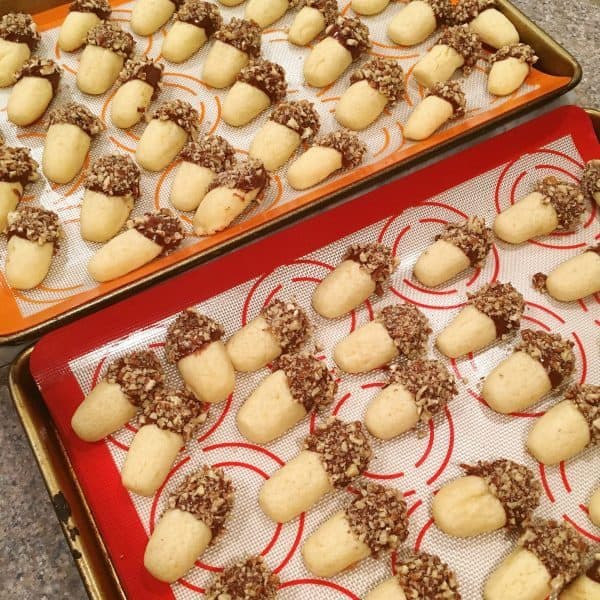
290 124
107 48
173 123
418 20
311 20
18 39
378 84
248 578
510 68
112 185
33 239
139 83
195 22
259 85
493 27
83 15
586 586
146 238
590 180
71 128
329 153
148 16
443 101
236 43
228 196
266 12
201 162
37 82
345 41
17 170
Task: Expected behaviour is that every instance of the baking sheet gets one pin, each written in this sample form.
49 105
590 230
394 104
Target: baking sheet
68 285
478 181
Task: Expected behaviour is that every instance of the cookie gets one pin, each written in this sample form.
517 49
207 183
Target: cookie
290 124
33 239
107 48
568 427
590 180
248 578
195 515
37 82
554 205
548 555
200 162
586 586
415 392
195 23
112 185
83 16
369 7
539 363
510 68
228 196
573 279
491 313
146 238
169 419
148 16
594 508
298 385
421 575
398 331
345 41
378 84
329 153
460 246
194 343
493 27
311 20
71 128
172 125
18 39
236 43
417 21
130 381
364 269
443 102
17 170
259 85
280 328
139 83
265 12
374 523
231 2
332 457
490 496
457 48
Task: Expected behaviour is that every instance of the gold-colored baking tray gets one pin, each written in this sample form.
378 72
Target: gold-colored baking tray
554 60
69 503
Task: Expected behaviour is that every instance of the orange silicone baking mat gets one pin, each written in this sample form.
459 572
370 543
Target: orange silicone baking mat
406 215
69 285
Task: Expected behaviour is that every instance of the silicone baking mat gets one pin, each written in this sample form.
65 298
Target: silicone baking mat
406 215
69 285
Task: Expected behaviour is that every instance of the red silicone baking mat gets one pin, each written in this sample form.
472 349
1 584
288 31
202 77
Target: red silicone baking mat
406 214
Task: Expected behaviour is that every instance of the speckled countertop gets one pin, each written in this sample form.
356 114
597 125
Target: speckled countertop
35 563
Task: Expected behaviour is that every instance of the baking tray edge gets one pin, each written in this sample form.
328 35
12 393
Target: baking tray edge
554 59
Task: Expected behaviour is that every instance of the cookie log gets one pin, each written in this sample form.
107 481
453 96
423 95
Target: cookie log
281 327
363 270
369 7
590 181
417 21
228 196
82 17
250 575
236 43
586 586
196 514
575 278
416 391
510 68
130 381
146 238
332 457
594 508
194 344
494 28
18 39
148 16
373 524
568 427
540 362
172 125
312 19
17 170
492 312
266 12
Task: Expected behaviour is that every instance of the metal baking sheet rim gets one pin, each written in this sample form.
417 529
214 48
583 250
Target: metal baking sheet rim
74 515
554 59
